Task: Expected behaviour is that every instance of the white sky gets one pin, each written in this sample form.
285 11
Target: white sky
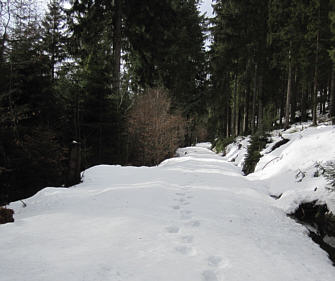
206 7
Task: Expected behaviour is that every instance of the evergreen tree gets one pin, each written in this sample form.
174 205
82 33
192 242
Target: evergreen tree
54 39
167 49
270 55
238 57
31 153
92 46
332 55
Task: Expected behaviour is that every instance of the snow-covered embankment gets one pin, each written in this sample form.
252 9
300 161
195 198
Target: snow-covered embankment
195 217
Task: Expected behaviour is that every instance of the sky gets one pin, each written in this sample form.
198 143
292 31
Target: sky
206 7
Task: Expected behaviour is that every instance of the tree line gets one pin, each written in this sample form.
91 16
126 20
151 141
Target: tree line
75 79
91 82
272 64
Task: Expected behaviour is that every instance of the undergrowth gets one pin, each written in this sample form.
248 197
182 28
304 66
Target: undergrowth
257 143
221 144
6 215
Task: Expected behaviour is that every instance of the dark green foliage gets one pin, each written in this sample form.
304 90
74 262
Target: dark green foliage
238 65
60 78
60 81
166 49
221 144
54 39
6 215
99 110
33 143
269 59
332 27
257 143
38 160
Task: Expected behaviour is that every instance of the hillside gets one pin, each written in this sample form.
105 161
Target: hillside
294 170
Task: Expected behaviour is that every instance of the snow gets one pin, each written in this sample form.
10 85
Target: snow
290 170
237 151
193 217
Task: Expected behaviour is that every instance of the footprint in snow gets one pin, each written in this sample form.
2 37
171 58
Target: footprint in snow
180 194
214 261
194 223
176 207
186 212
185 217
189 197
189 251
187 239
186 203
209 275
172 229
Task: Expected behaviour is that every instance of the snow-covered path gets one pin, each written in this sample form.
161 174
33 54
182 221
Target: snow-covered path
191 218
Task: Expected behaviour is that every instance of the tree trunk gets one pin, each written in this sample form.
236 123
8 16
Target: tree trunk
117 48
235 110
227 120
332 96
288 95
315 89
246 113
229 129
260 122
303 104
239 120
76 118
74 166
282 102
294 95
323 102
53 53
254 95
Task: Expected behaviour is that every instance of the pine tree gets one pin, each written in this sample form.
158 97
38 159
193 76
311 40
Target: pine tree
31 152
238 60
93 48
332 55
54 39
167 49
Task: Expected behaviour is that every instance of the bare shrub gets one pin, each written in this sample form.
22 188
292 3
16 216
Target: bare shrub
154 132
201 133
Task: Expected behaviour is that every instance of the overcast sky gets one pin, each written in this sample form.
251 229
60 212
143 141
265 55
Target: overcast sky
206 7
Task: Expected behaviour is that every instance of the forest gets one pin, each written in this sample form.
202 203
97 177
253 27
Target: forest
88 82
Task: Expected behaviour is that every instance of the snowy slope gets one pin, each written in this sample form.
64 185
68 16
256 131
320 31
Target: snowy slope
292 169
192 218
292 172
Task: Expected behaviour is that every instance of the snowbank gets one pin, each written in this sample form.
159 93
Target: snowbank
293 170
193 217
